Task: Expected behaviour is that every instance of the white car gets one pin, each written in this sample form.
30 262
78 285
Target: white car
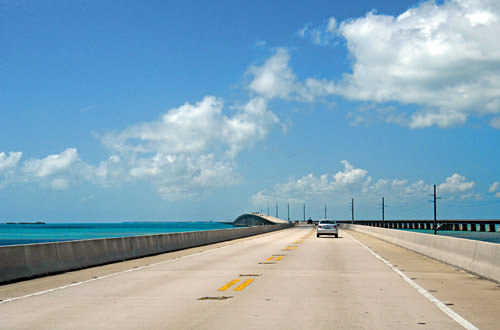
327 227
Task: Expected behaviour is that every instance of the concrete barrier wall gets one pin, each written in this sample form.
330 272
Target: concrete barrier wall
481 258
32 260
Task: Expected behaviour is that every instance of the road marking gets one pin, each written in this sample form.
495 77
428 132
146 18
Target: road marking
244 284
445 309
279 258
270 258
228 285
116 274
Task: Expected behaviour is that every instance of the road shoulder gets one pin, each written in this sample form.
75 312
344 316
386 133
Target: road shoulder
474 298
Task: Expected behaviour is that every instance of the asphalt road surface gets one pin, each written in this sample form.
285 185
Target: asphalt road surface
283 280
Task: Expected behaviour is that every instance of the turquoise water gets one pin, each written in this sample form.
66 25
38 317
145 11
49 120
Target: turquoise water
14 234
479 236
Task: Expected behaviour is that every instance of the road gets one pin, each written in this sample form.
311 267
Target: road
284 280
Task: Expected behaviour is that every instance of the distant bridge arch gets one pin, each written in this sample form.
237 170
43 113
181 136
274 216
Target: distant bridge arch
256 219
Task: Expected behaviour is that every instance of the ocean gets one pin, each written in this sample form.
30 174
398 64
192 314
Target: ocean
22 233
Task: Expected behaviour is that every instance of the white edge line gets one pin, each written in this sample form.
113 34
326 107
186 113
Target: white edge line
445 309
114 274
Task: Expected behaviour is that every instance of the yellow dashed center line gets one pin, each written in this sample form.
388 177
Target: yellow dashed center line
228 285
279 258
244 284
270 258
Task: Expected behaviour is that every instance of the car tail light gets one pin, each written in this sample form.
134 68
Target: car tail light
319 226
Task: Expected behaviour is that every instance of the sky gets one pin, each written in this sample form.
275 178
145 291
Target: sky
204 110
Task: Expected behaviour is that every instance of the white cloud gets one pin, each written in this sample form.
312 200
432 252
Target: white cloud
309 186
399 183
493 187
441 118
59 184
274 78
191 148
355 182
497 195
8 164
57 171
322 35
9 161
444 58
195 129
456 184
52 164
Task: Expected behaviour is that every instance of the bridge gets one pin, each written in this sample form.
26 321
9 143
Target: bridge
286 279
492 225
257 219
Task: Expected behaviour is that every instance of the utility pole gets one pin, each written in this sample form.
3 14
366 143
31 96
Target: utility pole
325 211
276 210
288 207
435 212
383 209
352 210
304 212
268 210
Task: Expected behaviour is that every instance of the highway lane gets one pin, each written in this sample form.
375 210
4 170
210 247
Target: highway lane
288 279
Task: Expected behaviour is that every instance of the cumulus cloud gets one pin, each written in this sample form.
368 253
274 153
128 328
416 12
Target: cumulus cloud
309 186
9 161
191 148
51 164
8 164
456 183
351 182
57 171
493 187
187 151
444 58
275 78
196 128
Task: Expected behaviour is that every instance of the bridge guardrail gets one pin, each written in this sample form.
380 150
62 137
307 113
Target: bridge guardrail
19 262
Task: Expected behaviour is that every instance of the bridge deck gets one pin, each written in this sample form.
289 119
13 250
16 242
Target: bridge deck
288 279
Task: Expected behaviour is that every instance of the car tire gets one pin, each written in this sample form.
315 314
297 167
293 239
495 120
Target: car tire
317 235
336 235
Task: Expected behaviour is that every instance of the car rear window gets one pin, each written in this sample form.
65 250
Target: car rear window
327 221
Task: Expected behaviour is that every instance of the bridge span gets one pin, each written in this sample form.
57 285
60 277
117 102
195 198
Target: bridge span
287 279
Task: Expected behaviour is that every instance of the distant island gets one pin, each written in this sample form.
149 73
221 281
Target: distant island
26 223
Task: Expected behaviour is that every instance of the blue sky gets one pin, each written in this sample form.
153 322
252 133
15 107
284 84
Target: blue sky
198 110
